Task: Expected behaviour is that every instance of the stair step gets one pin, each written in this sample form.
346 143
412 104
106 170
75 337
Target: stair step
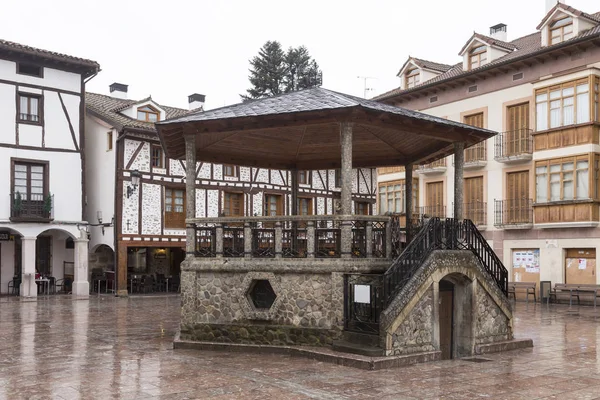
354 348
361 338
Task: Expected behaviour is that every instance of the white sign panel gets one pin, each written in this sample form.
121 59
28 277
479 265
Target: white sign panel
362 294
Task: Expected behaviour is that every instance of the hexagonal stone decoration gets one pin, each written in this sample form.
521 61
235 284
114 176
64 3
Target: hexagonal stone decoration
260 295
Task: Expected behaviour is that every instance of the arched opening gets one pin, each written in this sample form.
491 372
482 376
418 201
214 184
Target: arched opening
55 261
10 261
455 314
101 264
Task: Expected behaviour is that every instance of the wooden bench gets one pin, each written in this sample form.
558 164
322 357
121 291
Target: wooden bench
575 290
529 288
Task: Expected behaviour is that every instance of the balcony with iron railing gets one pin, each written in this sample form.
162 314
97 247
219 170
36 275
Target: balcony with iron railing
294 237
477 212
436 167
31 208
476 156
514 146
513 213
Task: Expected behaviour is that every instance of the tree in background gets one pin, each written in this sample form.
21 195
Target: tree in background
274 72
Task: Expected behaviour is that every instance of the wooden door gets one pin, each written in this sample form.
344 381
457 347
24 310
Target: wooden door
478 151
516 136
517 197
446 310
435 199
474 209
580 266
234 205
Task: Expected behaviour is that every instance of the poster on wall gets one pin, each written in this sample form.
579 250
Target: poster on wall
582 263
527 259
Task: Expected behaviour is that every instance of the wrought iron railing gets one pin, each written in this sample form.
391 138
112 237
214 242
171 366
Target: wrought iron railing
441 163
31 207
476 211
321 236
434 211
440 234
205 241
513 212
476 153
513 143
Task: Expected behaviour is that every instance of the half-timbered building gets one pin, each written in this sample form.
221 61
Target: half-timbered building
43 245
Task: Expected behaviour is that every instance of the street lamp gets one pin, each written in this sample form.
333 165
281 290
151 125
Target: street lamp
135 181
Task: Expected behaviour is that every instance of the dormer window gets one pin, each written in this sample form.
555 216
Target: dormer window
148 114
477 57
413 76
561 30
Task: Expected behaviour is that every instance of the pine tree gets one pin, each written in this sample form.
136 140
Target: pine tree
274 72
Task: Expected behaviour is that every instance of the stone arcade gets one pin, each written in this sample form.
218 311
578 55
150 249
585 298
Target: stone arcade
338 279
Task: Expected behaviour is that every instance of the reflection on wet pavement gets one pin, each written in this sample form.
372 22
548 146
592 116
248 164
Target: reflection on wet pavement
107 347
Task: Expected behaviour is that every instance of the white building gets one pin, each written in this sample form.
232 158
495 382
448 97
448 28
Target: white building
534 189
42 169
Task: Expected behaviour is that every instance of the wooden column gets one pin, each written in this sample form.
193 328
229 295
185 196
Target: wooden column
190 194
346 169
408 192
459 162
294 187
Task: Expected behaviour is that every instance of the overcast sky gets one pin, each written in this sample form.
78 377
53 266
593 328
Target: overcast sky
170 49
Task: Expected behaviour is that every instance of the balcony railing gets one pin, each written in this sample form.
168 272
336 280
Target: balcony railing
513 212
319 236
514 145
476 153
437 211
436 166
476 212
32 207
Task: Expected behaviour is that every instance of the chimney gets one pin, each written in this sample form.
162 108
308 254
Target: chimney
118 90
499 32
551 3
196 101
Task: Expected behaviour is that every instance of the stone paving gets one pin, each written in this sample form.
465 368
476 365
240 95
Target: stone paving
107 347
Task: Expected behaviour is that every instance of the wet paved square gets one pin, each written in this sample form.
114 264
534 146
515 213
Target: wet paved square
107 347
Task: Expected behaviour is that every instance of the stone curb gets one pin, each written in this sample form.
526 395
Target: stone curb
507 345
338 358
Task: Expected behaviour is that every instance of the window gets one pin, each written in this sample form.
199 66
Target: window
157 156
30 108
562 179
413 76
391 196
561 30
273 205
30 195
561 105
476 152
233 204
174 208
477 57
230 170
305 206
31 70
148 114
304 177
109 140
361 208
338 178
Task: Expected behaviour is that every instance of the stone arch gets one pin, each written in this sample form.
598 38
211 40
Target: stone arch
101 258
417 304
101 247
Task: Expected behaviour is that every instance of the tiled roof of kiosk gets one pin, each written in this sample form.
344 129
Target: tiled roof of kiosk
314 99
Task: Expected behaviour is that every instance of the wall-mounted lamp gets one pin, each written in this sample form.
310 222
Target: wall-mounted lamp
135 181
101 224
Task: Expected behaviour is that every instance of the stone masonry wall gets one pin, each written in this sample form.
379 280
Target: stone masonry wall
491 324
308 308
415 333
